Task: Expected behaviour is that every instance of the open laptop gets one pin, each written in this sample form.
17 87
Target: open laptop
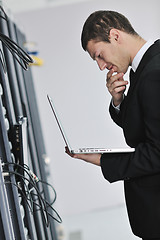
84 150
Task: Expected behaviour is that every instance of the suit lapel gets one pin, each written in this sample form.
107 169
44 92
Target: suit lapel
134 76
147 57
150 53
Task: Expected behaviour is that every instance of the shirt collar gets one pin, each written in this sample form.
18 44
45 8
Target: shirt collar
140 54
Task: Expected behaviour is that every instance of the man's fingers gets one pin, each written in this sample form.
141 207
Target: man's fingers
116 84
68 152
112 78
110 73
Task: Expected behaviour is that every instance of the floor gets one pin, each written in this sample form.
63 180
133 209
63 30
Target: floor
102 224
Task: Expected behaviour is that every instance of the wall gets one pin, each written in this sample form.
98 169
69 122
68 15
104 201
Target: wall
77 86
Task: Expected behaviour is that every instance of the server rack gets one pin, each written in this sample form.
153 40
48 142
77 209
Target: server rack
21 144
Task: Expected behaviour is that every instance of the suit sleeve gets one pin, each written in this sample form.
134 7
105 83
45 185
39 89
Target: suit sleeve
116 117
146 158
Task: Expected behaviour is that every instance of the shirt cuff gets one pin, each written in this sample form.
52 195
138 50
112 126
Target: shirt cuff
117 108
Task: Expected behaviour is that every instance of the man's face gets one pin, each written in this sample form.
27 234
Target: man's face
108 55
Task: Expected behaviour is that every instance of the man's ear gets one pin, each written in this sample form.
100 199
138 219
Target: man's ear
114 35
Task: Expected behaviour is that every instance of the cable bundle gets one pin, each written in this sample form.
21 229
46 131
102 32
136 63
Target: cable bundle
28 187
3 62
18 53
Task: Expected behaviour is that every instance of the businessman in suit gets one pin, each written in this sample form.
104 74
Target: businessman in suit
112 42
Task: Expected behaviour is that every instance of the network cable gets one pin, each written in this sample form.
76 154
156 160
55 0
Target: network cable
41 200
3 62
23 194
33 192
18 53
5 17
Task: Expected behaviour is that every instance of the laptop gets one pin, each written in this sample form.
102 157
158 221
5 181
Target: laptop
84 150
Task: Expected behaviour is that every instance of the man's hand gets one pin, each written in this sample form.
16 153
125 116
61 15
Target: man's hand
93 158
116 86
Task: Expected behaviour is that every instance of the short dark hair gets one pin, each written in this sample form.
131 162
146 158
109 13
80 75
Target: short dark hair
98 25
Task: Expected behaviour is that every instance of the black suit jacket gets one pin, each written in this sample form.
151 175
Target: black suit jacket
139 118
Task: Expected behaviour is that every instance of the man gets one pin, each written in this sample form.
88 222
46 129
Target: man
112 42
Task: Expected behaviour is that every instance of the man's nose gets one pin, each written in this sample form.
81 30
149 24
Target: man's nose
101 64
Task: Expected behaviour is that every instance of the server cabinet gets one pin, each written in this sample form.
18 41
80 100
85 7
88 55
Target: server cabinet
26 210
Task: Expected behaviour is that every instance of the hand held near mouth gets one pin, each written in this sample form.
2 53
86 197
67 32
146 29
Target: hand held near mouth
116 86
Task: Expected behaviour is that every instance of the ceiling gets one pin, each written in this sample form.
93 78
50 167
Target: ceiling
28 5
